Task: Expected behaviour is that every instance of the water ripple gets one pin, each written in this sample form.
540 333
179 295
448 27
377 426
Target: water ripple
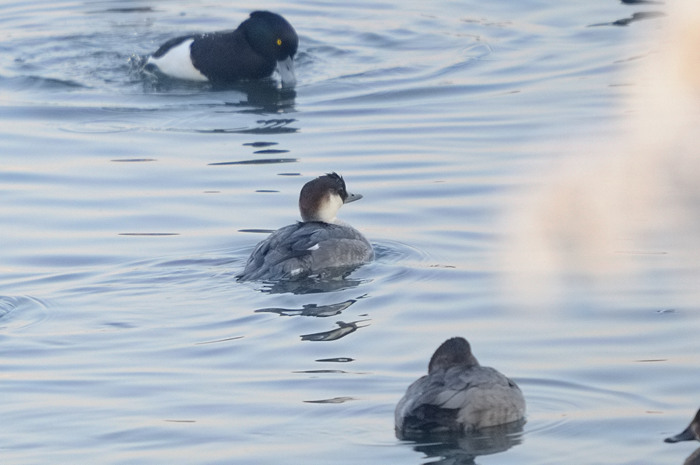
21 311
554 404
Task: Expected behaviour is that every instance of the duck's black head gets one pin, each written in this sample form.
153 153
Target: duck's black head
270 35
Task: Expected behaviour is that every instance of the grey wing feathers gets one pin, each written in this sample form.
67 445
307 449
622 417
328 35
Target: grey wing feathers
433 403
305 248
272 251
419 410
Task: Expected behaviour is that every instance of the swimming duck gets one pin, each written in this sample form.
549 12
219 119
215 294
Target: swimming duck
457 395
317 245
262 43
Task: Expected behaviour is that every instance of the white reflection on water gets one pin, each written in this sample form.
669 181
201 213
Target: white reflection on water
622 208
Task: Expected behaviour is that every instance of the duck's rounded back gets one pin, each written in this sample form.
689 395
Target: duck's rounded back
457 395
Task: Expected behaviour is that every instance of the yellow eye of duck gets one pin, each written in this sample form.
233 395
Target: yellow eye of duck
279 41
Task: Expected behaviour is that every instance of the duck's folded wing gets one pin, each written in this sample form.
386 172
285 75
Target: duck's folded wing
422 409
271 252
307 236
459 385
305 248
458 399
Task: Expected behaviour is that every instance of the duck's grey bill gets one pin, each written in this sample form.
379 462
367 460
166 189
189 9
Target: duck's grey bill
352 197
286 69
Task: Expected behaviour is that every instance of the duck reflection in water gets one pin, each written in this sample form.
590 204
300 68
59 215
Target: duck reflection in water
342 330
321 311
310 309
691 433
468 409
330 282
463 449
262 97
256 97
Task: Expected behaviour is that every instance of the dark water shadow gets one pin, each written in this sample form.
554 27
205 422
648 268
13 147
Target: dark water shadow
259 161
639 16
341 331
321 311
641 2
126 10
332 280
265 127
332 400
463 449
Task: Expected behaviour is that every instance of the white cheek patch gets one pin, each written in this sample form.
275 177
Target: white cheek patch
329 208
313 247
177 63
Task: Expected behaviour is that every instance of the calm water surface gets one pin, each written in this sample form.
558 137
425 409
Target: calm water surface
129 205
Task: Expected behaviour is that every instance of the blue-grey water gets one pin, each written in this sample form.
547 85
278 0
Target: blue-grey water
129 204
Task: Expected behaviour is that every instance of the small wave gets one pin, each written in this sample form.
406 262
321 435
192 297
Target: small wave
553 405
21 311
33 83
397 252
105 126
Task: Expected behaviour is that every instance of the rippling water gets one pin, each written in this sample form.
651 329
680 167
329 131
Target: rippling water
129 205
